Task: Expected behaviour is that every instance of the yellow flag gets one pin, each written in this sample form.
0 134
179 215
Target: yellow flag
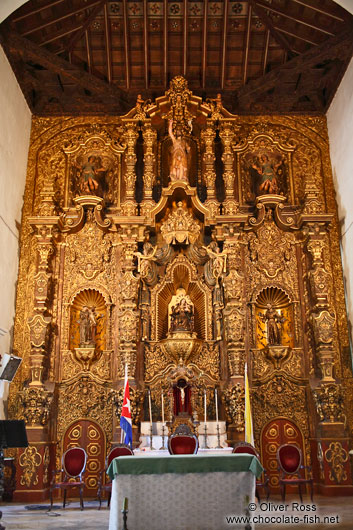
249 431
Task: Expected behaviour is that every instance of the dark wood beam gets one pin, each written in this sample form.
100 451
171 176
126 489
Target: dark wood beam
265 55
204 44
247 44
284 14
54 20
145 41
165 42
224 44
95 11
126 45
265 19
296 36
29 51
185 38
58 35
308 4
49 4
108 46
340 46
88 50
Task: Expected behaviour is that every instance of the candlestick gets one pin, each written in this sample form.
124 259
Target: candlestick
205 405
125 511
151 438
162 409
205 435
218 438
216 401
163 448
150 406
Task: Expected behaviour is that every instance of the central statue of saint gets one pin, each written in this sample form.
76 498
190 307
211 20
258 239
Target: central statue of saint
181 312
179 158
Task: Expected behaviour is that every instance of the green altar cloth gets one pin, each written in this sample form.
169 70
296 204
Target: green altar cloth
156 465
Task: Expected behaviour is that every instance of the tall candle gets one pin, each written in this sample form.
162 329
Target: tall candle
215 397
205 404
162 408
150 406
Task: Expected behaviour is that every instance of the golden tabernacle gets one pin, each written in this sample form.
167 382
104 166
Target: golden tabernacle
182 241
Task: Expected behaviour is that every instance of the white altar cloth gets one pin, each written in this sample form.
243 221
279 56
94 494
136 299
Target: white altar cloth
185 501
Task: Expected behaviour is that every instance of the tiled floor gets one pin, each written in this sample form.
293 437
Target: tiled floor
339 510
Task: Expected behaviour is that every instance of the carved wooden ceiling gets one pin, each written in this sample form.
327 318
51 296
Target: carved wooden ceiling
94 56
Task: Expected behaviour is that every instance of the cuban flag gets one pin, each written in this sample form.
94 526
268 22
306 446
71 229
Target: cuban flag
125 418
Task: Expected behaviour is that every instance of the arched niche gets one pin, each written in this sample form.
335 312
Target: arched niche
274 315
181 273
92 299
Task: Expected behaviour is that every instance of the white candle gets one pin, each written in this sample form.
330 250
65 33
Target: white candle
162 408
150 406
205 405
215 397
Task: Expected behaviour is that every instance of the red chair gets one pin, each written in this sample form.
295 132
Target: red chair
183 442
289 458
73 466
246 448
118 450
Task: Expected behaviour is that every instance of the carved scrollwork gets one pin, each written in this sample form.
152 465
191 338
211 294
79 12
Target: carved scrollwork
329 403
234 401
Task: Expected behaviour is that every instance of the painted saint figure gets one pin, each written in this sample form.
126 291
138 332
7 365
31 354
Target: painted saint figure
88 326
179 161
268 174
90 175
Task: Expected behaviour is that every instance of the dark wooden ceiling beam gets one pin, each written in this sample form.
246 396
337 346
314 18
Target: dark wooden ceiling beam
283 13
185 38
165 42
204 44
58 35
88 50
265 54
265 19
43 7
145 42
224 44
126 45
309 5
29 51
95 11
108 44
60 18
296 36
247 44
340 46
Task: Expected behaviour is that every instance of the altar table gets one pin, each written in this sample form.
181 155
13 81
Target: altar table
182 492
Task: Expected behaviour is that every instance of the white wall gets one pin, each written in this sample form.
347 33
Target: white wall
14 143
340 130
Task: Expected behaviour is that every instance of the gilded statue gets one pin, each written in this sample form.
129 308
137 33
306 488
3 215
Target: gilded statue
274 323
144 259
179 158
218 260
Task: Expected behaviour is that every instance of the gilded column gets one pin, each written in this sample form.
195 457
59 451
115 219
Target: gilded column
208 137
131 135
149 176
227 134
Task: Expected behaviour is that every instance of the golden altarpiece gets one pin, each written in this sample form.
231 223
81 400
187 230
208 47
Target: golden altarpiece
184 241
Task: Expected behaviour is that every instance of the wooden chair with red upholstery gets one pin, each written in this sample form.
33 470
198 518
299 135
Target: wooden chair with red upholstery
118 450
183 441
263 482
289 458
73 464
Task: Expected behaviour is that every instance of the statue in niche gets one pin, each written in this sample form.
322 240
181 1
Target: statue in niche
274 323
88 326
181 312
91 174
179 156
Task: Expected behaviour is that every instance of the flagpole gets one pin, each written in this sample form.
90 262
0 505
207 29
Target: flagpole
125 376
249 431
